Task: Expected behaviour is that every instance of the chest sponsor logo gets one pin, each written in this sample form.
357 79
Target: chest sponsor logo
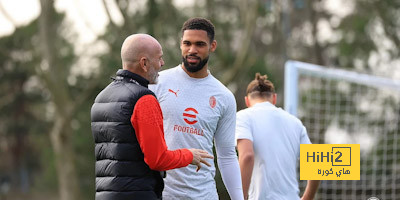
190 116
190 130
213 101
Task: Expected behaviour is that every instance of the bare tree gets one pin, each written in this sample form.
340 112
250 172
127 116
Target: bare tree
60 133
54 75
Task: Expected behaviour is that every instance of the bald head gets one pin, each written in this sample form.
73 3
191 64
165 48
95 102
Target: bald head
137 46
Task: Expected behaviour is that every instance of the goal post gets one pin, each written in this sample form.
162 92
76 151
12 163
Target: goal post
295 68
345 107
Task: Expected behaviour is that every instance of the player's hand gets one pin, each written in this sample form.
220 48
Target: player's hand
199 157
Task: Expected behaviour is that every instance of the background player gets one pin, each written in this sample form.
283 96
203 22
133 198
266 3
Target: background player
268 142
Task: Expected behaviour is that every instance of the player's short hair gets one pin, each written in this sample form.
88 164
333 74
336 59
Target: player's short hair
199 23
260 87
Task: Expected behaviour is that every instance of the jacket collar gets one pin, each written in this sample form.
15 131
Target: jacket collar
131 77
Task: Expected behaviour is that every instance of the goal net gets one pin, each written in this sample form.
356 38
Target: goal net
344 107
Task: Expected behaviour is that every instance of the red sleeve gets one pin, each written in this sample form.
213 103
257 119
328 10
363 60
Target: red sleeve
148 123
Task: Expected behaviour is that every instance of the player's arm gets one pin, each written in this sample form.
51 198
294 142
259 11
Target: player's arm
312 185
311 189
226 152
230 172
244 138
246 163
147 121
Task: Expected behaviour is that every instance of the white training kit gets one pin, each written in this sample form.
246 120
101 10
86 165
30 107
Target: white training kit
276 137
198 112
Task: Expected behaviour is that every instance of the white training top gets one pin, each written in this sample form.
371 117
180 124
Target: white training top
276 137
196 111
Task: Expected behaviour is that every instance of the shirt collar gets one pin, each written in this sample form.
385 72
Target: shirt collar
265 103
180 66
127 75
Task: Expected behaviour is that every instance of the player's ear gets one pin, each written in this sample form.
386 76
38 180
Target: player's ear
213 45
246 99
274 98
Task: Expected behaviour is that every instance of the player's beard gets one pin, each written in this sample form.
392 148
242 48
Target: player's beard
153 76
194 68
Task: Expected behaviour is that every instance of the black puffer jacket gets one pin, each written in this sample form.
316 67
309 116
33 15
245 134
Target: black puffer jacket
121 173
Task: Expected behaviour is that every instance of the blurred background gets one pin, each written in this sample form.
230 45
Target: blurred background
56 55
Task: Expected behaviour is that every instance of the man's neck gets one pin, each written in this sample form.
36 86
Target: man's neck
199 74
259 100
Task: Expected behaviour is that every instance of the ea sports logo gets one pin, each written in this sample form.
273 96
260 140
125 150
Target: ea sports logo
190 116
